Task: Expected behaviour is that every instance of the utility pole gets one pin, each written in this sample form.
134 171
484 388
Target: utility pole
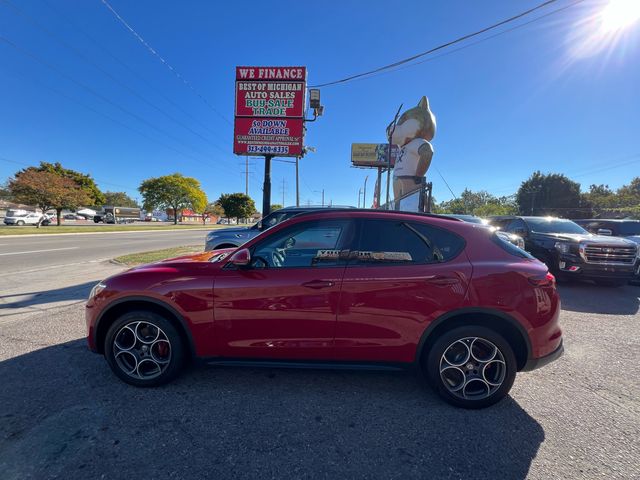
364 193
359 194
297 184
323 197
246 175
266 189
283 193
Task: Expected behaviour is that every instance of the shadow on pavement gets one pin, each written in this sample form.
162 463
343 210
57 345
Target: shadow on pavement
31 299
587 298
65 415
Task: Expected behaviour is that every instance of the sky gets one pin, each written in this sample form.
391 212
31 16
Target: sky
555 95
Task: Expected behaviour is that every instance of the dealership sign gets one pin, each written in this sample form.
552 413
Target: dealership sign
373 154
269 110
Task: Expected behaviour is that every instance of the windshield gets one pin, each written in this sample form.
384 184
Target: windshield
554 225
272 219
629 228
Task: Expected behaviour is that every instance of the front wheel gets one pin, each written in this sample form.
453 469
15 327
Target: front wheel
20 223
471 367
144 349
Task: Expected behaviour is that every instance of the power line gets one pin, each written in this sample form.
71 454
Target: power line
154 52
71 48
437 48
88 107
445 182
102 97
5 159
147 83
477 42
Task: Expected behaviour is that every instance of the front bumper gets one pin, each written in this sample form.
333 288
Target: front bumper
535 363
573 267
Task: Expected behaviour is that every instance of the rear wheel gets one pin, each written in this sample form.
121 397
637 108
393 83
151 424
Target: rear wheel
144 349
471 367
20 223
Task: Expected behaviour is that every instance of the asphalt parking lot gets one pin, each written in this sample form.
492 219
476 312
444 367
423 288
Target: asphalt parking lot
64 415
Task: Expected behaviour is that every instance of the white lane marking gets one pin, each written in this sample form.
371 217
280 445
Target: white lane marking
38 251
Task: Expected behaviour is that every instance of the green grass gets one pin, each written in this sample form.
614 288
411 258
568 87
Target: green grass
157 255
53 229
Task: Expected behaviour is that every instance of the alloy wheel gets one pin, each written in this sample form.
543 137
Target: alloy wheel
472 368
142 350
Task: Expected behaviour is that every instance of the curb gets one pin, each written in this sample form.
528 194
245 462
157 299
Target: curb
30 235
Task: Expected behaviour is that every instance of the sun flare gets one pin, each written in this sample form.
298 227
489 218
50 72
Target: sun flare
619 14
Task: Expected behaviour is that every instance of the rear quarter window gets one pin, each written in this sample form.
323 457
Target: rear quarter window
510 247
448 243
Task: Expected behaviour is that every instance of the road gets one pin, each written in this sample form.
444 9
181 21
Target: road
23 253
64 415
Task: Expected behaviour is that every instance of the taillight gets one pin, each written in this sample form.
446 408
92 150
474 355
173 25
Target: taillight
547 280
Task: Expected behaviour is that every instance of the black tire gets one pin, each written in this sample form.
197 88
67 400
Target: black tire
171 364
505 373
20 223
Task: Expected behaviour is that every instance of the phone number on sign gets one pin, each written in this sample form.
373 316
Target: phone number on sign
267 149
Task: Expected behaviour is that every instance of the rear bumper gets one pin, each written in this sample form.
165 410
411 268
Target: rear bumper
535 363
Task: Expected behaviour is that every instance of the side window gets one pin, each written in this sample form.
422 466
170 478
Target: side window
447 245
391 242
308 244
516 224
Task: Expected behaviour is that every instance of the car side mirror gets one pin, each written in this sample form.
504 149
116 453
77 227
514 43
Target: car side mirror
605 231
241 258
520 232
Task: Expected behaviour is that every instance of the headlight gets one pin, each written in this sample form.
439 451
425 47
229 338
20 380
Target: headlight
562 247
97 289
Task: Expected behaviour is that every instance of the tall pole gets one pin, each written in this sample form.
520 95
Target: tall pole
379 187
323 197
359 194
283 193
266 189
297 184
364 194
246 173
393 129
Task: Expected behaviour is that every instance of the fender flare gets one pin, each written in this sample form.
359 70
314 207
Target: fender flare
159 303
465 311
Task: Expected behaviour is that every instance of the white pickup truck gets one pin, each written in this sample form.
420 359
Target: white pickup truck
27 219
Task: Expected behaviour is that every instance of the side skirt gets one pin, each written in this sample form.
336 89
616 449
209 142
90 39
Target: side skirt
301 364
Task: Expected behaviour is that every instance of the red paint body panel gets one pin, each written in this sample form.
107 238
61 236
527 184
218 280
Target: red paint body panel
352 313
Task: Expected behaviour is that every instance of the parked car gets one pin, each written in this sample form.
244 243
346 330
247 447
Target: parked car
234 237
345 288
31 218
517 240
626 228
571 252
117 215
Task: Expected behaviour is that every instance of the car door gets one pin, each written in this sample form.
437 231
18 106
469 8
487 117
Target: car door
284 304
400 277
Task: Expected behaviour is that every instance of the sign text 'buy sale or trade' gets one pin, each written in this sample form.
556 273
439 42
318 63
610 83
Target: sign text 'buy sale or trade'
269 110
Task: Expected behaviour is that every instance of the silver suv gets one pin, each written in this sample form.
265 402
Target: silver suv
234 237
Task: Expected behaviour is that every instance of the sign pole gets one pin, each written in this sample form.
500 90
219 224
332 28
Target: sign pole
266 188
378 186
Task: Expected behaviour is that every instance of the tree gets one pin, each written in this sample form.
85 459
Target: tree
84 181
237 205
119 199
174 191
47 190
214 208
5 193
276 206
551 194
480 203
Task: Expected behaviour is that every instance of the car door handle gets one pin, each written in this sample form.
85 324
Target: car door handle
318 284
441 280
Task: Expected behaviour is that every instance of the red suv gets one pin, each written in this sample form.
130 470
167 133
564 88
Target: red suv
356 288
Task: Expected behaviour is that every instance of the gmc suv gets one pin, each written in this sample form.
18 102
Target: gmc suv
571 252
